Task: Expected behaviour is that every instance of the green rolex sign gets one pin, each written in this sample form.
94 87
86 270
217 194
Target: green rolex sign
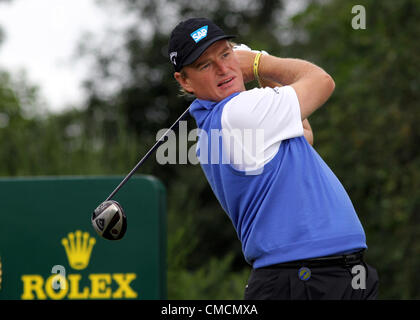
49 250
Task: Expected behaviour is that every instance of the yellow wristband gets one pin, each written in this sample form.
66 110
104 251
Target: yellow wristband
255 67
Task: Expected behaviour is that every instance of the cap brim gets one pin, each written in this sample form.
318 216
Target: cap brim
199 51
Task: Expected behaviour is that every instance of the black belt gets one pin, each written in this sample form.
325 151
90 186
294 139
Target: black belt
336 260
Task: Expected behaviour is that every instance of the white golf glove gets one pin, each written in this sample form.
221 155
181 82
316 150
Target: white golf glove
246 48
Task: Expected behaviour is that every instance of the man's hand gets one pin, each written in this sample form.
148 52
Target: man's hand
307 132
246 57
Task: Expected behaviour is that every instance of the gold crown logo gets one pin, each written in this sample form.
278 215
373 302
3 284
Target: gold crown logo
78 249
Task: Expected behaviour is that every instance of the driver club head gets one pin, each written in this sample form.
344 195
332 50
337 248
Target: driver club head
109 220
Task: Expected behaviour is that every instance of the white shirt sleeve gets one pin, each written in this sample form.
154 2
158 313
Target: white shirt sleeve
275 111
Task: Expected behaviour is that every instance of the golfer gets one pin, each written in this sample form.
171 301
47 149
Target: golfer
296 223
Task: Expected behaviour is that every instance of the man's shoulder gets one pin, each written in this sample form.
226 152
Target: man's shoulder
248 100
239 110
246 97
258 93
260 107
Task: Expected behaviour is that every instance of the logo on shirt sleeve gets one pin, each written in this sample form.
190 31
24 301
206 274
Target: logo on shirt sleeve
276 90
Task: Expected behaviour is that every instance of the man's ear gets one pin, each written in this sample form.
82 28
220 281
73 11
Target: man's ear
183 82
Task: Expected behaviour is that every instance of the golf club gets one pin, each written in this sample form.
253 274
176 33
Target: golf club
109 219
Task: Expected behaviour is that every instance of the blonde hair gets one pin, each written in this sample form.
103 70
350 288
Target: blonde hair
182 92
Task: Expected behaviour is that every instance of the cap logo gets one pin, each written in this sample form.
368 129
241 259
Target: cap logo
172 57
199 34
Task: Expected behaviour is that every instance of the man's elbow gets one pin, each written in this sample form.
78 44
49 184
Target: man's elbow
329 84
326 87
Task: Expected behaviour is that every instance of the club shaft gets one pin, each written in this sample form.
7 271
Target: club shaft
147 155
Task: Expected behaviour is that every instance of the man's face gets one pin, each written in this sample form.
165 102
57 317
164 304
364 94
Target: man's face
215 75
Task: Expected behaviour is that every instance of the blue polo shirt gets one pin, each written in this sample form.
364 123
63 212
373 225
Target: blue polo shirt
284 202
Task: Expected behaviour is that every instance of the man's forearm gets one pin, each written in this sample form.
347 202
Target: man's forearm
285 70
312 84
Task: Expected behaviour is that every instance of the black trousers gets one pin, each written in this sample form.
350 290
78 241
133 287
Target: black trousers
325 283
